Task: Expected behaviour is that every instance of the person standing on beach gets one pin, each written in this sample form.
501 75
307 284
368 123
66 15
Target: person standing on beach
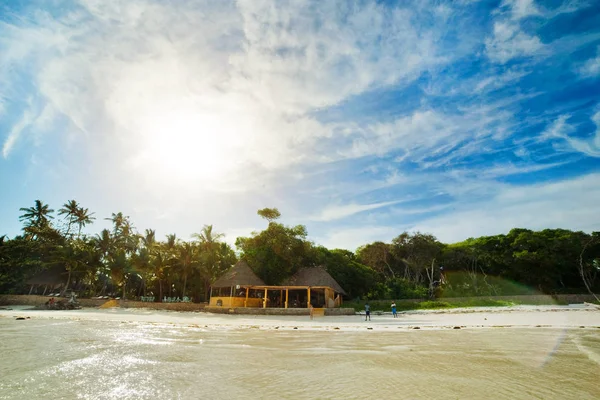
394 313
367 311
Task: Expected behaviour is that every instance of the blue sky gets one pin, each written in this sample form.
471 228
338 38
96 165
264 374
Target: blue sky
358 119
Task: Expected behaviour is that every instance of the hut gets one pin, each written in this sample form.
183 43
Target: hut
233 288
50 279
322 291
240 287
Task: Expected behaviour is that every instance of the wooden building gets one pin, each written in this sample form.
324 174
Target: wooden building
230 290
240 287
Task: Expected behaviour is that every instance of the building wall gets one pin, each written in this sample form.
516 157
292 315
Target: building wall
33 300
277 311
235 301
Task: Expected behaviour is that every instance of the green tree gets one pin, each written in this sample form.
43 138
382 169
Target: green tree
212 253
277 252
83 217
36 218
69 210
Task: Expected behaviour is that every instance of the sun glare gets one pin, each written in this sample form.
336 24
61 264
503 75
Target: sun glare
186 146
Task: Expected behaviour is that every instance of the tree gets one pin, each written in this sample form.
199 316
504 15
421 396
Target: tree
69 210
36 218
82 218
589 274
270 214
188 261
211 254
277 252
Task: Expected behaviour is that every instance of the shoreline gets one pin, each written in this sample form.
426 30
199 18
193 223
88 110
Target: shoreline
514 317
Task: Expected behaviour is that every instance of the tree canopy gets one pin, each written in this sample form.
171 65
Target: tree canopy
123 261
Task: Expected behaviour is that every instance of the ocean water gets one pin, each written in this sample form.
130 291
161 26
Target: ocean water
86 359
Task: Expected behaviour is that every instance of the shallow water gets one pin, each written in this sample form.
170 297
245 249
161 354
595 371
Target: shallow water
84 359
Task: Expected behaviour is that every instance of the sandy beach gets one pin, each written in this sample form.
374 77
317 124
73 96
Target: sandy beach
524 352
572 316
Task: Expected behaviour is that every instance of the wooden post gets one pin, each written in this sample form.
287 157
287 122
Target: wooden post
286 298
265 299
308 301
246 301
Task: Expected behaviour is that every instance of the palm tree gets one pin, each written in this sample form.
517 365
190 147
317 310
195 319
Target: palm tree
37 216
210 245
149 239
117 220
82 218
69 210
69 256
187 261
207 238
120 268
142 263
160 262
103 243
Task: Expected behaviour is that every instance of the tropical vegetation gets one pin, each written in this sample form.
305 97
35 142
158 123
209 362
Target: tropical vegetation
126 262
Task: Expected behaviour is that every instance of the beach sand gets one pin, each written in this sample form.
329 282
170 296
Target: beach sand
549 352
573 316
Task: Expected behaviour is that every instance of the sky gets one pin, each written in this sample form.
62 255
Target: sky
358 119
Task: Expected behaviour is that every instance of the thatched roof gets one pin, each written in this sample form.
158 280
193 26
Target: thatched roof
52 276
314 276
239 274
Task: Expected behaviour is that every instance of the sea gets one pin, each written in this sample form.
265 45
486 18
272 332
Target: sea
47 358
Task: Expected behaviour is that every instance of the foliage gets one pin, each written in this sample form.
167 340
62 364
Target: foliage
277 252
124 262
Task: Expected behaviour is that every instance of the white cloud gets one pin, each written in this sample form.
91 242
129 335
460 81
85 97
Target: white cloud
15 133
522 8
560 129
567 204
509 41
182 89
352 238
498 81
591 68
331 213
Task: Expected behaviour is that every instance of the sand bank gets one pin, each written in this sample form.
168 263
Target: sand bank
575 316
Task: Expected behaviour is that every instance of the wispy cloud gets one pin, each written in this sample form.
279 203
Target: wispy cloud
15 132
534 207
561 129
591 68
331 213
332 111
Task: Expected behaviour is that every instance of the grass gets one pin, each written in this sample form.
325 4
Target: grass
385 305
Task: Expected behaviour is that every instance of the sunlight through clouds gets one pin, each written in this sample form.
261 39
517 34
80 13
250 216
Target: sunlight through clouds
335 112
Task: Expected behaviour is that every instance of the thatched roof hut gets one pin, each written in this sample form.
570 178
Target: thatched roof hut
51 277
239 274
314 276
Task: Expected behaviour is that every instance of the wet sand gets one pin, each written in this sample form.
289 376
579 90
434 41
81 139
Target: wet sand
574 316
507 353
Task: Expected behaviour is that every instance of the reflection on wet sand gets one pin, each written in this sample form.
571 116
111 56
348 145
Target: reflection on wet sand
108 359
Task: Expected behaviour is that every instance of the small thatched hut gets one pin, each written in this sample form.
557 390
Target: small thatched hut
230 290
50 279
323 290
